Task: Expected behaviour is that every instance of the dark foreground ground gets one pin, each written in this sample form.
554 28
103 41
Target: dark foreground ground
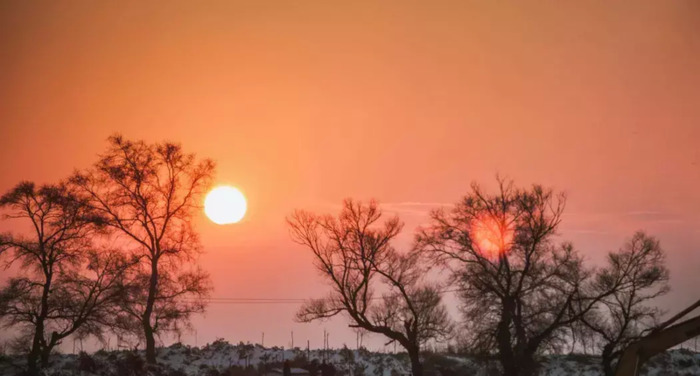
221 358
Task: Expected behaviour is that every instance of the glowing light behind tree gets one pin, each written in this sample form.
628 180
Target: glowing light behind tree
492 237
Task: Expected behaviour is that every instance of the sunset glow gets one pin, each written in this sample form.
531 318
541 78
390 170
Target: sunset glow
300 105
225 205
491 237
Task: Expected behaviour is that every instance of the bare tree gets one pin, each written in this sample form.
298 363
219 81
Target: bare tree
626 315
521 290
67 286
148 193
379 289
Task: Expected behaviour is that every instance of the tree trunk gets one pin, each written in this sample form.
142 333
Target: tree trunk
150 343
35 353
528 365
148 331
503 340
510 366
45 354
519 365
416 366
33 356
606 359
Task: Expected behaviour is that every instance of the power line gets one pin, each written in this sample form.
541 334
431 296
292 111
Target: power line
254 302
231 300
258 300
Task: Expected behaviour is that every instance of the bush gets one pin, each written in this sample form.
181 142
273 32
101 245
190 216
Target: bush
685 363
86 363
177 372
347 355
218 344
583 358
212 372
130 364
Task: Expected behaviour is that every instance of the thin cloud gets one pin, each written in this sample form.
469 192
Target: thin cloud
416 208
409 207
644 213
585 231
415 203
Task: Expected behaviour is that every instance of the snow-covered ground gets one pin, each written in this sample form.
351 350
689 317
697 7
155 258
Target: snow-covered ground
222 358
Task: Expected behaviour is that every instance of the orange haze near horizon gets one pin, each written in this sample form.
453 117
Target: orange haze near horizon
303 104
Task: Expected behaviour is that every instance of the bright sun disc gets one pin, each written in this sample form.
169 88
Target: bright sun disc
225 205
491 237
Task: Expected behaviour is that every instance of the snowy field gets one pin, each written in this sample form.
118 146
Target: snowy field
222 358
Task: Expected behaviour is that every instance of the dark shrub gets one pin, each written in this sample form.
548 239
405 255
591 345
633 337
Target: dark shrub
130 364
86 363
177 372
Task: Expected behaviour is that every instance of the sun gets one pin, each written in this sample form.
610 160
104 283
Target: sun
225 205
492 238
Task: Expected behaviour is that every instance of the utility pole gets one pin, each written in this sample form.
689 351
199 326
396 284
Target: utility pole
262 342
292 340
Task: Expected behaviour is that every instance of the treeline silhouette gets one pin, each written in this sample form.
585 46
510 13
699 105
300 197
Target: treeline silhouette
111 249
523 292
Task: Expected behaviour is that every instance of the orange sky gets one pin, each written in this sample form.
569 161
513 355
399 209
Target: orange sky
304 103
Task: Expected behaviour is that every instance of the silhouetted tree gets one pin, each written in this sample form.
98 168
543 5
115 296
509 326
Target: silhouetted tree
521 290
626 315
67 285
378 288
149 193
